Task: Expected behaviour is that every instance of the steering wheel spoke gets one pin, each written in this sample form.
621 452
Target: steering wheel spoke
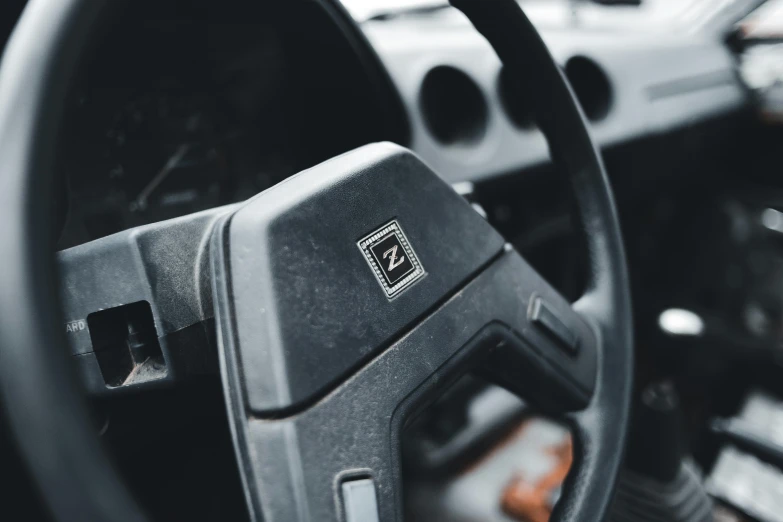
297 465
302 432
548 353
134 308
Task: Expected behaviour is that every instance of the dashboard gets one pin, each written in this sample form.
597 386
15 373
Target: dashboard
631 84
187 106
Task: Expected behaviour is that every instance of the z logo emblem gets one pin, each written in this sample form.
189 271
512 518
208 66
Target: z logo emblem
391 258
393 261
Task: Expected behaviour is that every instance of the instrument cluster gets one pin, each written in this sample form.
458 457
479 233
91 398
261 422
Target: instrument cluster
187 106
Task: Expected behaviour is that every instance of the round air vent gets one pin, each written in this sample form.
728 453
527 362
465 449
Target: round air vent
454 108
591 86
514 102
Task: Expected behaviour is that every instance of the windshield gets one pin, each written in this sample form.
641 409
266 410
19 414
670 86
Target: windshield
684 14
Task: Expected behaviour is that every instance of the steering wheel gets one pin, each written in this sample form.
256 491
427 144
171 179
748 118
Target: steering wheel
343 300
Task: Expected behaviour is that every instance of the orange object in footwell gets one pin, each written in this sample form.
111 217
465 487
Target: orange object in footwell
533 502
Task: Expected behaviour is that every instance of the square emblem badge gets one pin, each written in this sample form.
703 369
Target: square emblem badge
391 258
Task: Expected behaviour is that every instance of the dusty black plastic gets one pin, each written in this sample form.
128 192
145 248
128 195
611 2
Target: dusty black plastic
307 305
292 467
77 481
158 263
163 264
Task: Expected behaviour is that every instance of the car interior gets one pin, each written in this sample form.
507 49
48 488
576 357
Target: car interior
385 260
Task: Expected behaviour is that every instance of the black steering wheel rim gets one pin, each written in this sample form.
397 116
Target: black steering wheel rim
41 399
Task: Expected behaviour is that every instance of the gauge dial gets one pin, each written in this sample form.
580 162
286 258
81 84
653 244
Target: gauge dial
162 156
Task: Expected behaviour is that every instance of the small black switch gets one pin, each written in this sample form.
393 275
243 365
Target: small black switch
545 317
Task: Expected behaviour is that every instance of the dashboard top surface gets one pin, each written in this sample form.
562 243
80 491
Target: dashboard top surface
652 83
